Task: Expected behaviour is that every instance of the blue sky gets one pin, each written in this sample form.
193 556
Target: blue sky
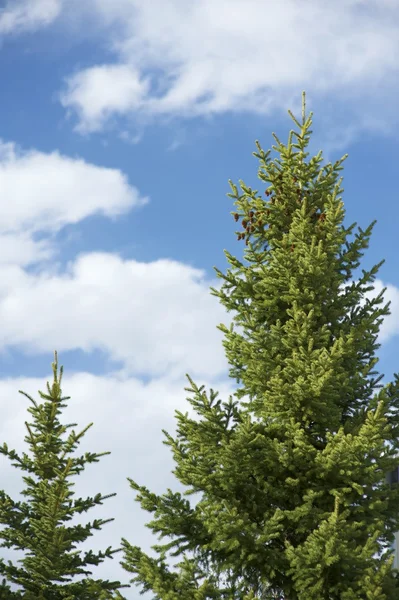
121 123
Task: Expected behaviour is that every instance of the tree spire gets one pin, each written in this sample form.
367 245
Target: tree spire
294 502
37 526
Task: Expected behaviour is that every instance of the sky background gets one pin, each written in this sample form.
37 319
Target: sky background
121 123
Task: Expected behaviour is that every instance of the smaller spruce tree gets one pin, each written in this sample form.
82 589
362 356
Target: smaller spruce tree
37 526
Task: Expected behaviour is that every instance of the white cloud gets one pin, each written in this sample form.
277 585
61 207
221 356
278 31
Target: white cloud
28 15
102 91
211 57
390 325
156 317
164 307
44 192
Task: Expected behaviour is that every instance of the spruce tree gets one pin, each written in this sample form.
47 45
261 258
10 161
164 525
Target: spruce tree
37 526
294 503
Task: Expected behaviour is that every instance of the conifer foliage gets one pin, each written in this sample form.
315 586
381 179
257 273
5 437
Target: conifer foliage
37 526
294 503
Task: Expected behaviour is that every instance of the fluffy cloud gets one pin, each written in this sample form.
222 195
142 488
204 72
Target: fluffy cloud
103 91
212 57
177 60
156 318
26 15
44 192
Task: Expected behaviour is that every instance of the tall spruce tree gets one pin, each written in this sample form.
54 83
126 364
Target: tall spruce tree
294 503
37 526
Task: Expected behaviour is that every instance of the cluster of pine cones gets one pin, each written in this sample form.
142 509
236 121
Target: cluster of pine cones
255 221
